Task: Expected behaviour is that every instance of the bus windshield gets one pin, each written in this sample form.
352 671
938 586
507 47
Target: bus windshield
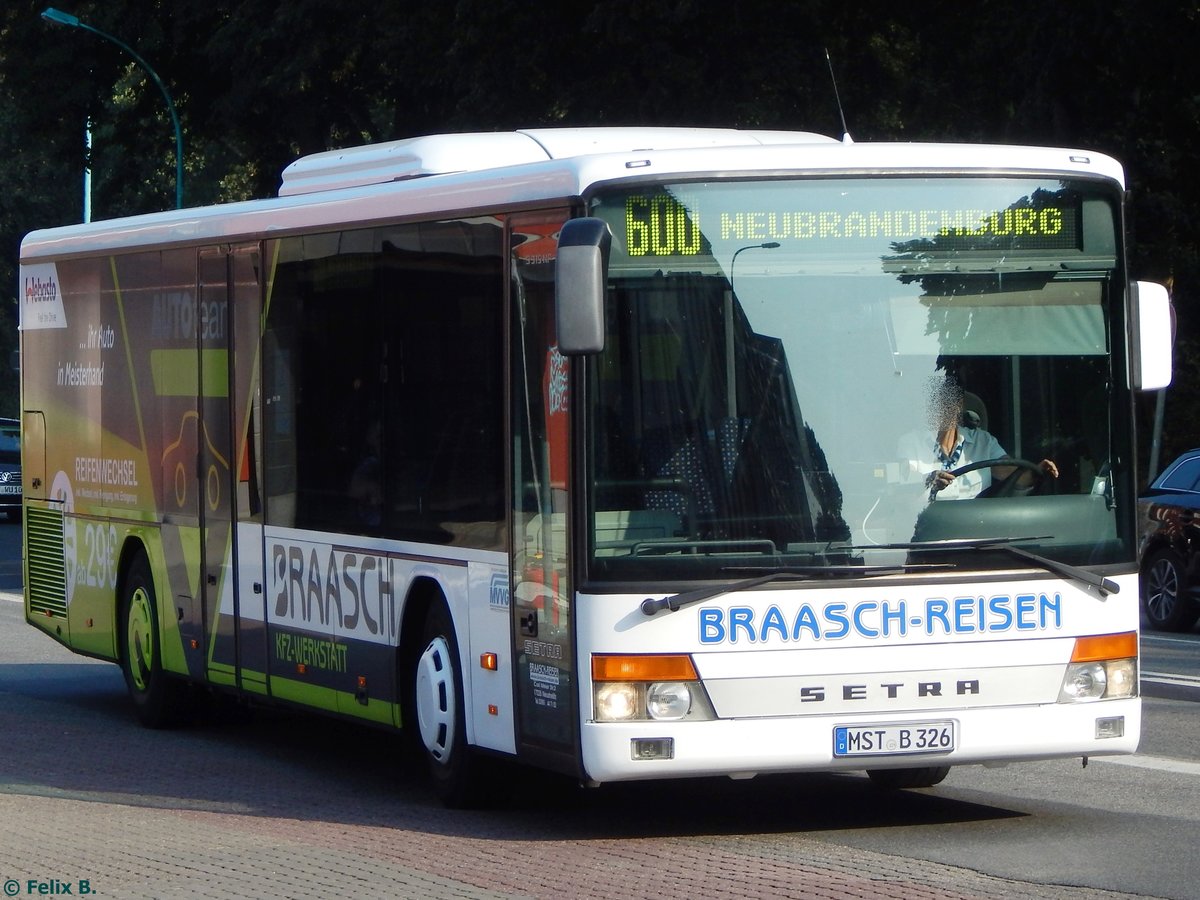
790 364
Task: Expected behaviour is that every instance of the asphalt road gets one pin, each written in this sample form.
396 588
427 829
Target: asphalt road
269 804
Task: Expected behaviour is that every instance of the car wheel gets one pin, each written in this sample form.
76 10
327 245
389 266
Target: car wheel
1166 594
894 779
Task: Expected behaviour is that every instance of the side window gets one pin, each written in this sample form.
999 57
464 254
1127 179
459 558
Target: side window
442 304
383 383
1185 476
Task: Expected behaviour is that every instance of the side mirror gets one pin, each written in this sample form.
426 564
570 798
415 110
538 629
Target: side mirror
580 275
1153 336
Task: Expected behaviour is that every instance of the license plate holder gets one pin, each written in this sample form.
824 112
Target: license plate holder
895 739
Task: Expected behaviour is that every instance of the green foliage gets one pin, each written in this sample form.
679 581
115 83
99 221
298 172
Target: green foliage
260 82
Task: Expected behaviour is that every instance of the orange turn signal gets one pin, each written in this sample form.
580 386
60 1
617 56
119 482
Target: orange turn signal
643 668
1105 646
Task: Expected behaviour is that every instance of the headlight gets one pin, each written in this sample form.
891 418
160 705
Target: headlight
1083 681
660 701
617 702
648 687
1110 679
668 700
1102 667
1122 678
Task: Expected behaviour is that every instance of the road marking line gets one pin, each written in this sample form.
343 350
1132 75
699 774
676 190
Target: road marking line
1171 678
1158 763
1160 639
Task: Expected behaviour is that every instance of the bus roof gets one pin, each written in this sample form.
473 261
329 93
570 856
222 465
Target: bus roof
442 154
463 173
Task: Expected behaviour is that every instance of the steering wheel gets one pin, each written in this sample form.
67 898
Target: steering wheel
1008 486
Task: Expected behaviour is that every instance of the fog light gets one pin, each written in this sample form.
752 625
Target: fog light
1083 681
1113 727
652 748
668 700
616 701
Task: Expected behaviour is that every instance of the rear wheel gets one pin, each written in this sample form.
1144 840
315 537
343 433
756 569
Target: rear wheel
441 718
1166 594
894 779
157 698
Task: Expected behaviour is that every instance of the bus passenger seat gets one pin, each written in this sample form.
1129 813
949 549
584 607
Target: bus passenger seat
974 411
686 461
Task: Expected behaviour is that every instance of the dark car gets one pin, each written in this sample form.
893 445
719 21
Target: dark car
1170 545
10 467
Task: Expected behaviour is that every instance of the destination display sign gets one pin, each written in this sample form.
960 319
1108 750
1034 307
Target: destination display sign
664 224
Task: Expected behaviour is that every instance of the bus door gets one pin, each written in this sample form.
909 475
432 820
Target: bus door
228 324
540 596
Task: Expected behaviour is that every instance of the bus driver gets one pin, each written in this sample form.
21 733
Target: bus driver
951 441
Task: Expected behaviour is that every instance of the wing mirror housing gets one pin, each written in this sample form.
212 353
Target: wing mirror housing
1152 337
580 277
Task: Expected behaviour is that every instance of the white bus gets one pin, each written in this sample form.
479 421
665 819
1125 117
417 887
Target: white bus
610 451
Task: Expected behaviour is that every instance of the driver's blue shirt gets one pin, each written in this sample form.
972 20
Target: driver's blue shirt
921 455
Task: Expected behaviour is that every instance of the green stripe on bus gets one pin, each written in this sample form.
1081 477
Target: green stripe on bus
328 699
177 375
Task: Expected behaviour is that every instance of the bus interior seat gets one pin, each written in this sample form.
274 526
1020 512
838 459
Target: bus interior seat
975 413
666 454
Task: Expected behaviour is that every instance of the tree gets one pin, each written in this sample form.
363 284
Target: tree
259 82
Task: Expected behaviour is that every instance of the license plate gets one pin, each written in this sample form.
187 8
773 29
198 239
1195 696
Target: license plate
10 489
905 738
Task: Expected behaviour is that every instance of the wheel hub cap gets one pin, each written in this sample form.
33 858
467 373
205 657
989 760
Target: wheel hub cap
140 639
436 699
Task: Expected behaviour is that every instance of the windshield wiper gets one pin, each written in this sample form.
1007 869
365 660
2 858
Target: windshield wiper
788 573
1008 545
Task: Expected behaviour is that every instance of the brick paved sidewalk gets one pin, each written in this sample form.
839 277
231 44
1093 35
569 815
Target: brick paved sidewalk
141 851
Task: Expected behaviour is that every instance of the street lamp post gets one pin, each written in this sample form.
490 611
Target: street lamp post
59 17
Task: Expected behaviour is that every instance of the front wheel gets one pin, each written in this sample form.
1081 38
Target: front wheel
895 779
157 698
441 718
